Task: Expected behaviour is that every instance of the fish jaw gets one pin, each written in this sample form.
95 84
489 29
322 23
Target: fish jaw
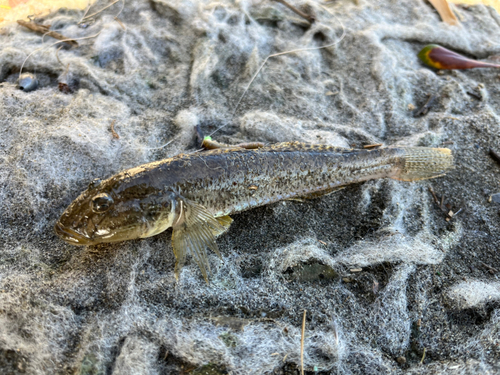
74 237
71 236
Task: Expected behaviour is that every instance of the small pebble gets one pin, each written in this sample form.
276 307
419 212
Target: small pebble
28 82
495 198
401 360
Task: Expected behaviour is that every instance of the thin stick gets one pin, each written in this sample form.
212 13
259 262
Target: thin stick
66 70
433 195
61 41
279 54
164 145
494 155
302 343
121 10
120 23
84 14
311 19
426 107
115 134
42 29
116 17
489 267
57 55
96 13
373 146
423 357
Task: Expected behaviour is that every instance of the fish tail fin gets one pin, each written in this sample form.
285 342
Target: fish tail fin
421 163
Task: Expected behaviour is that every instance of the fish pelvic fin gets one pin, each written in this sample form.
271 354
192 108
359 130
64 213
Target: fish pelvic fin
225 222
422 163
193 231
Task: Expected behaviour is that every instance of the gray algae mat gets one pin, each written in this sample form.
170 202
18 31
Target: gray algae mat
390 283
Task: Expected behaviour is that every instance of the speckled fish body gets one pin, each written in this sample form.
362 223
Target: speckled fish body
194 193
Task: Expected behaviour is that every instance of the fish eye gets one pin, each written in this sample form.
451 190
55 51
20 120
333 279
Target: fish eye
101 202
95 183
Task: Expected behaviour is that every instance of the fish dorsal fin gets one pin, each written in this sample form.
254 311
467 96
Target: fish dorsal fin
193 231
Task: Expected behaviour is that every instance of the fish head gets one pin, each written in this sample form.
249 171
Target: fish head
115 210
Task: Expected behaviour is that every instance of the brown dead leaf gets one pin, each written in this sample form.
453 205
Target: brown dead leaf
443 8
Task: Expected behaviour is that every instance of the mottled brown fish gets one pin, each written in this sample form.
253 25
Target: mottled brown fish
195 193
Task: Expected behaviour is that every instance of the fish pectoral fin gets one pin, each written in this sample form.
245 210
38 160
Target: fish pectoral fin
195 232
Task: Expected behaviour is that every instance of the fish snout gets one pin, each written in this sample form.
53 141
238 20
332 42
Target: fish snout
71 236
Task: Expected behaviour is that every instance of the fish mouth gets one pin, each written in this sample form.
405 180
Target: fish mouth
71 236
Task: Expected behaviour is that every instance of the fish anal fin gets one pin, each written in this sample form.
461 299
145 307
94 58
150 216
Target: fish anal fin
195 232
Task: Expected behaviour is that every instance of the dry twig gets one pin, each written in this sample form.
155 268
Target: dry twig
422 111
45 30
434 195
115 134
494 155
491 269
51 45
84 14
373 146
309 18
302 343
120 12
99 11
